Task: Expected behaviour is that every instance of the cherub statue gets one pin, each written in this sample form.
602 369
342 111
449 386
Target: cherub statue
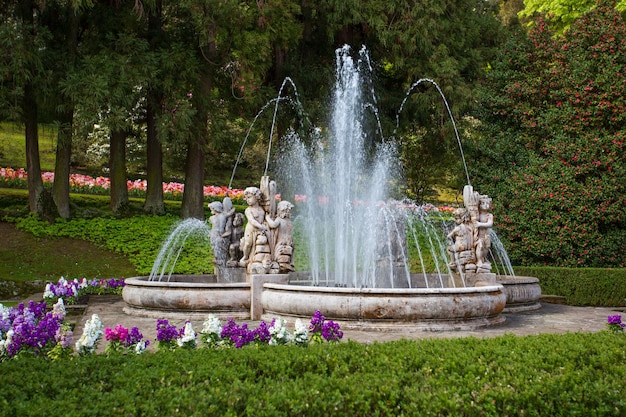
283 235
482 231
461 239
219 241
234 249
255 227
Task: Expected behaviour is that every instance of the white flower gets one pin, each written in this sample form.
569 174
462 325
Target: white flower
91 335
47 293
82 284
188 338
58 309
278 333
300 333
140 347
6 342
212 325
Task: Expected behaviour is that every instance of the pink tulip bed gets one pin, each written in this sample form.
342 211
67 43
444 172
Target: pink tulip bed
85 184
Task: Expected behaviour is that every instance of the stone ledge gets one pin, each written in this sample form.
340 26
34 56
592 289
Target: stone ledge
552 299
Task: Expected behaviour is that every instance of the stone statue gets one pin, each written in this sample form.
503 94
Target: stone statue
283 236
219 236
482 231
461 237
234 249
255 230
267 242
471 238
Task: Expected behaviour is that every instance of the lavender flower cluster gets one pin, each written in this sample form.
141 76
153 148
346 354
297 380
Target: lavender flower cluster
32 329
70 290
615 325
320 328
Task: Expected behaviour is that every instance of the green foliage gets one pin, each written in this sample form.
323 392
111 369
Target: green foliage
581 286
551 151
139 238
557 375
561 13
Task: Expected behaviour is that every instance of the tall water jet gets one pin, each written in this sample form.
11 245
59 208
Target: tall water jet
345 179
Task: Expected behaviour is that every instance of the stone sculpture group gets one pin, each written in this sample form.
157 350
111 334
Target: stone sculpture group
471 237
265 245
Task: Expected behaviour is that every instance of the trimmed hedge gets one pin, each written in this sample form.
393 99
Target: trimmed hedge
546 375
601 287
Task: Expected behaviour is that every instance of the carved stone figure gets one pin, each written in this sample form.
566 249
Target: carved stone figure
461 249
267 242
472 236
255 230
219 235
482 231
234 249
283 236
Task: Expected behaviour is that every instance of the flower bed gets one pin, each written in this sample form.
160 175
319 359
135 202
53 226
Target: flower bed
30 329
85 184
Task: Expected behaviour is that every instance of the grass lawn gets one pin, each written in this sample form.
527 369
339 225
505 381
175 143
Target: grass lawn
13 146
24 257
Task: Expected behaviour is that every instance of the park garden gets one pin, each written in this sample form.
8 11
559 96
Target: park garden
119 119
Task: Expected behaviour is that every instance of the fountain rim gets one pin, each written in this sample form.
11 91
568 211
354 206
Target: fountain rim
143 281
386 291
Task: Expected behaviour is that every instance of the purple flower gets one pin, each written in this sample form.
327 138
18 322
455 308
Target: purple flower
317 322
238 335
34 328
262 333
616 319
329 330
166 332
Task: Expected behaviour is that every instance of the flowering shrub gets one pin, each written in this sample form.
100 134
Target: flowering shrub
31 329
615 325
551 148
70 291
121 340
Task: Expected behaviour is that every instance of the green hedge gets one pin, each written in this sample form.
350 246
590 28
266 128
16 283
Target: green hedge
581 286
546 375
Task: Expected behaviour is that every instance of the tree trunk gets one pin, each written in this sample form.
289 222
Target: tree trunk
154 193
154 151
193 197
61 185
33 165
117 167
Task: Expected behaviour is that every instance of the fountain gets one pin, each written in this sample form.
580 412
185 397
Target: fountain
357 242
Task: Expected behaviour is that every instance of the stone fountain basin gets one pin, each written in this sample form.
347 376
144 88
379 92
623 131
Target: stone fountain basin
379 309
522 293
264 297
186 297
